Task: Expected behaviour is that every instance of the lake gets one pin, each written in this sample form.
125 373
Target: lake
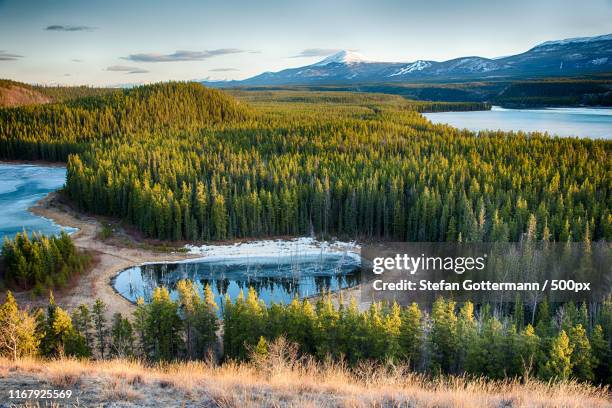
594 123
275 278
21 186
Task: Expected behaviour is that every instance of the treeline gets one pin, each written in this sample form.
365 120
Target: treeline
181 162
355 98
41 262
560 92
562 342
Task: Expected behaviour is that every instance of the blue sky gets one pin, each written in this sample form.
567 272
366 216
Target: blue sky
139 41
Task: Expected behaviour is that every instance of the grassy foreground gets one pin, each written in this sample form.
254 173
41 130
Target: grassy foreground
278 380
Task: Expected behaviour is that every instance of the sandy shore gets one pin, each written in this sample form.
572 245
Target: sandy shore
110 260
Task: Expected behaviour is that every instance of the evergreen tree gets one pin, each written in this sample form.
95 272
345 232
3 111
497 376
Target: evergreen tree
99 322
443 336
411 334
582 359
18 335
559 363
121 337
602 356
82 322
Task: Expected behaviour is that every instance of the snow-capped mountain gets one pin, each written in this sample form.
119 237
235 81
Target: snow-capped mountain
343 57
573 56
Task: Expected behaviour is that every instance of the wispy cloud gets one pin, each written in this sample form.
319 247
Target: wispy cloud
126 69
223 69
182 55
316 52
7 56
61 27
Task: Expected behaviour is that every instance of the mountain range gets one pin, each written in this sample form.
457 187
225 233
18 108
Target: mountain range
569 57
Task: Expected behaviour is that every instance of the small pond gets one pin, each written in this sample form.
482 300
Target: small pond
275 278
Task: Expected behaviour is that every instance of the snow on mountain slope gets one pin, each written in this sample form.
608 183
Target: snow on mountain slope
418 65
343 57
573 56
473 64
576 40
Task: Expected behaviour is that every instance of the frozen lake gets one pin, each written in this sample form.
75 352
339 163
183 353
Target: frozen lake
21 186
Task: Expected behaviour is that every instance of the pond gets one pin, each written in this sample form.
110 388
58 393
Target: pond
594 123
21 186
277 278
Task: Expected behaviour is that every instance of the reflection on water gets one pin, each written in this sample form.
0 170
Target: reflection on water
276 279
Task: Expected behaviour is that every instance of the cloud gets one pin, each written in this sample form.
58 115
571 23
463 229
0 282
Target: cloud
223 69
316 52
182 55
60 27
7 56
126 69
76 60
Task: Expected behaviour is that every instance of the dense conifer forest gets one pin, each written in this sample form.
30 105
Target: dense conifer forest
566 342
183 162
40 262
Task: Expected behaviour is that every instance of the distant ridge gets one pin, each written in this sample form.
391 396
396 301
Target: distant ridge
568 57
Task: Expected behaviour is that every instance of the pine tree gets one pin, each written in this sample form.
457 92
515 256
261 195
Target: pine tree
260 351
121 337
467 358
162 327
602 356
82 322
18 335
411 334
582 359
559 363
99 322
443 336
529 344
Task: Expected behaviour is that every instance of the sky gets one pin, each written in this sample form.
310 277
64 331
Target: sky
113 43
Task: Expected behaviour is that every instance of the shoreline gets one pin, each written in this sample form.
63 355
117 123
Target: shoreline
33 163
112 259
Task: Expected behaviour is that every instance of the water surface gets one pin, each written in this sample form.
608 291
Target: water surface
594 123
275 278
21 186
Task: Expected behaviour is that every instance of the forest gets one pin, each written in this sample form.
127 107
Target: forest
40 262
562 342
183 162
536 92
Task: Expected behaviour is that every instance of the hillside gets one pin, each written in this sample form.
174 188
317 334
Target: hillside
280 381
13 93
63 128
19 94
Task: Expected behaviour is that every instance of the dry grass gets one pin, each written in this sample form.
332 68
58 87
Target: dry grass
284 380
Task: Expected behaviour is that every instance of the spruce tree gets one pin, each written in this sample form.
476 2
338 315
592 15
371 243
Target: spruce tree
559 363
18 335
99 323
